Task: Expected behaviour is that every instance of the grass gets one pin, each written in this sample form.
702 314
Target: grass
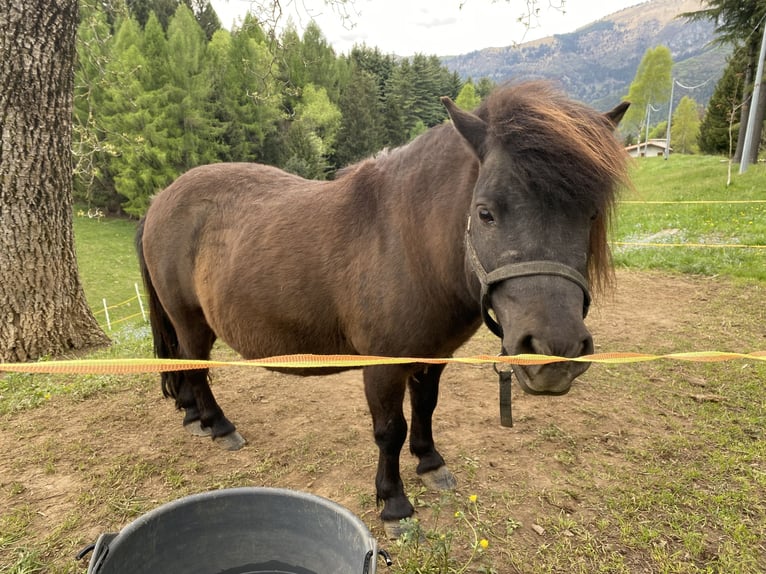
645 231
108 266
691 499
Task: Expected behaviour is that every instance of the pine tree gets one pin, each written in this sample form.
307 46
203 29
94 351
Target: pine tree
89 148
362 130
186 91
252 96
720 126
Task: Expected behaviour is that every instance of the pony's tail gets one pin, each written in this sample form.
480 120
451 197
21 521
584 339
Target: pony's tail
163 332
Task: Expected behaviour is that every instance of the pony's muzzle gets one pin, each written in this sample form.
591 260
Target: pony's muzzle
551 378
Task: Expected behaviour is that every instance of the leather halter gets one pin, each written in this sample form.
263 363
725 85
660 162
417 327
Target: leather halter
512 270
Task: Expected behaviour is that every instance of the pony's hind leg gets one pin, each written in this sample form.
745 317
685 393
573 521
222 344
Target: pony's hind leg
424 392
212 421
203 416
174 385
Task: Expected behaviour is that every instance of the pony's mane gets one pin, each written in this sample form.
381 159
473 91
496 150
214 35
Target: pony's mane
549 135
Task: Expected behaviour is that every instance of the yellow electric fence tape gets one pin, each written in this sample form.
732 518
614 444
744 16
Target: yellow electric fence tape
702 245
131 366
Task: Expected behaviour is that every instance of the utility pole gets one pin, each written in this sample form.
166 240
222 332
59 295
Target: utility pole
753 105
666 153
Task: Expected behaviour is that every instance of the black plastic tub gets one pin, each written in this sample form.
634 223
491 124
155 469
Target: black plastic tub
240 531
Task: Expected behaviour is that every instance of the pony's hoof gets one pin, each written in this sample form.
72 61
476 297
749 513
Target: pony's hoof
393 529
439 479
231 441
195 428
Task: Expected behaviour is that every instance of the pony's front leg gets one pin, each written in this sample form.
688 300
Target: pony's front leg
424 394
384 388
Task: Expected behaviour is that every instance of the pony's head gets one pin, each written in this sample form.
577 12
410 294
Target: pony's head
537 229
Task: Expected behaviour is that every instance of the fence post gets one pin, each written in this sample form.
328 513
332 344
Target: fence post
106 314
140 303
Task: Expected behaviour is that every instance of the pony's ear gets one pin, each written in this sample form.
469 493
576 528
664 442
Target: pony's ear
471 127
614 116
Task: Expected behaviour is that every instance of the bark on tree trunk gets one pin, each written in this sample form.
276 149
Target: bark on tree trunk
42 305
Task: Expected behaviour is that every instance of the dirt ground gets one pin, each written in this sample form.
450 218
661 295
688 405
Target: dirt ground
83 466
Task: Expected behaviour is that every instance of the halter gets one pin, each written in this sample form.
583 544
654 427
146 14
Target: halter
509 271
512 270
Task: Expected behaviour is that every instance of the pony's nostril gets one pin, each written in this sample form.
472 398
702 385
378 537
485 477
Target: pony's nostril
526 346
530 344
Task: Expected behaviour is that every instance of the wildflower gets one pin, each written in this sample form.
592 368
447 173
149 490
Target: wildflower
458 514
473 498
484 543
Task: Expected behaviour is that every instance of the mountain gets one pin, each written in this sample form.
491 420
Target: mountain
597 63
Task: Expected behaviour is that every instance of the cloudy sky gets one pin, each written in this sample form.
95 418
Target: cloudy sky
441 27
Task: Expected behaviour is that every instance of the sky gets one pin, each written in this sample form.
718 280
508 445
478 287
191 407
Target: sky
440 27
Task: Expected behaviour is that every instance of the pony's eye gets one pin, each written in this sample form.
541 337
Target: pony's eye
486 217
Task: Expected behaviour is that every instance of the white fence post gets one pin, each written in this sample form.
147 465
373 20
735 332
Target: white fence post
140 303
106 313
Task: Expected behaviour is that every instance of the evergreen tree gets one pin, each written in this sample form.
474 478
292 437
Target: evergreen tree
88 145
376 64
156 73
163 10
208 19
138 167
400 116
293 69
186 123
720 126
429 82
322 67
218 108
484 87
252 95
362 130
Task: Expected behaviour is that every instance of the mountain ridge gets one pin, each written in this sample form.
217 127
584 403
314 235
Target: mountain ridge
597 62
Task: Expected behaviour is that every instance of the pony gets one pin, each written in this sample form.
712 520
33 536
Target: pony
501 215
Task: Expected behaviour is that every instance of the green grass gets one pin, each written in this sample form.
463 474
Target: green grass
108 266
705 225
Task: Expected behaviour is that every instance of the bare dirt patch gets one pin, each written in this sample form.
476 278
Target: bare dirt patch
76 468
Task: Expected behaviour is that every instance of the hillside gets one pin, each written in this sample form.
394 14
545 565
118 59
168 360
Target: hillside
597 62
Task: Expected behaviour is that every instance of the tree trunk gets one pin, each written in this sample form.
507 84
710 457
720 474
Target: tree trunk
42 305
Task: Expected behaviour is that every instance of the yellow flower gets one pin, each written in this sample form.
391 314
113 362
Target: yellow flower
484 543
458 514
473 498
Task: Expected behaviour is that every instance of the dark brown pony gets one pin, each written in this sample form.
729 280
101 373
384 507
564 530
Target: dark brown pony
504 210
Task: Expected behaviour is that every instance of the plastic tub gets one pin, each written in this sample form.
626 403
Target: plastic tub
240 531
